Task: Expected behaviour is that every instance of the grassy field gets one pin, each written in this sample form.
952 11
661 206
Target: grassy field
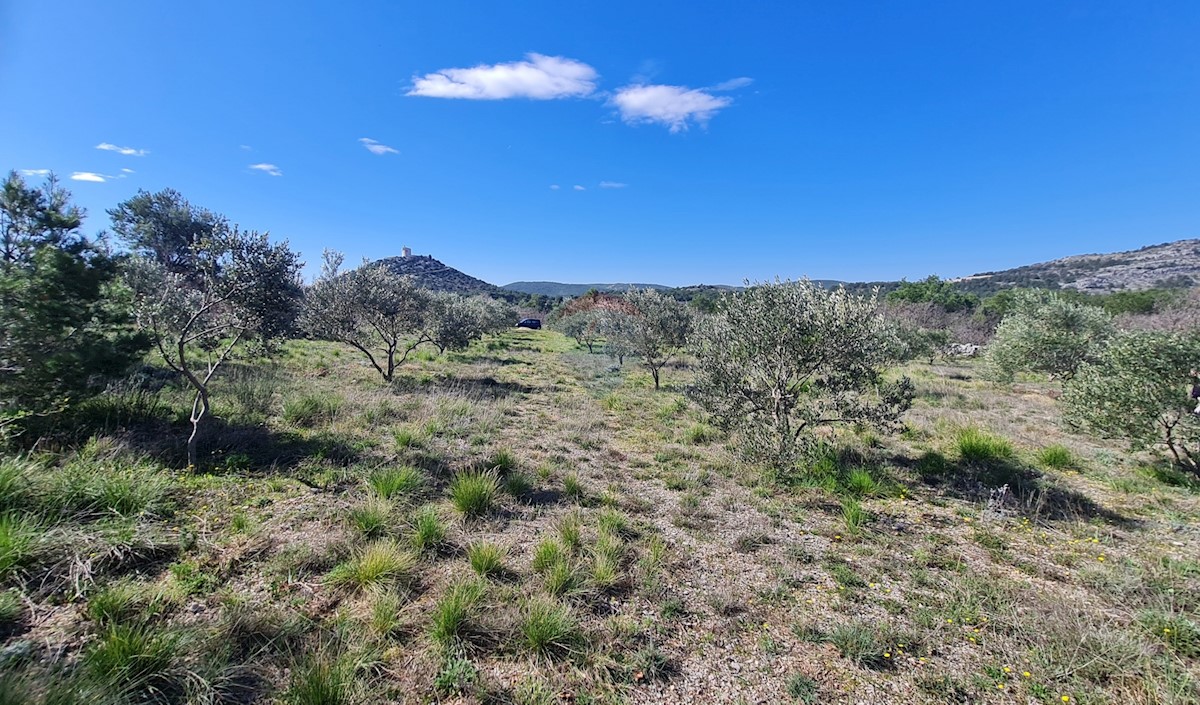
525 523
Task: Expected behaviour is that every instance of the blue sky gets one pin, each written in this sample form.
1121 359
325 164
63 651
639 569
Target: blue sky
709 142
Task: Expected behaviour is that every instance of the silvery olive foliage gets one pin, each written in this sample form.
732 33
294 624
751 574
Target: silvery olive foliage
583 326
204 295
656 328
386 317
781 359
1048 334
1137 390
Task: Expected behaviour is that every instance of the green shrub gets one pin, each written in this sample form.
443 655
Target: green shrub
381 563
311 409
428 530
1056 456
549 629
372 518
454 614
980 447
389 483
486 559
474 493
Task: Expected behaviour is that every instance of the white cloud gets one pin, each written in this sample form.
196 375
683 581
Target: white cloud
127 171
245 147
539 77
612 184
553 187
90 176
733 84
35 172
577 187
127 151
377 147
673 106
267 168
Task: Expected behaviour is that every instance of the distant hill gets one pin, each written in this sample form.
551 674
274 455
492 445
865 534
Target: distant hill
560 289
435 275
1169 265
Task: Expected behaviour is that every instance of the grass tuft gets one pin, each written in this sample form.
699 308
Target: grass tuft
18 542
372 518
454 614
428 530
389 483
381 563
1058 457
486 559
474 493
548 629
980 447
311 409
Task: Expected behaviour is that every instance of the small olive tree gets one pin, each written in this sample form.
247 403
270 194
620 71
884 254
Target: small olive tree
204 289
1136 390
1046 333
370 309
781 359
583 326
454 321
657 329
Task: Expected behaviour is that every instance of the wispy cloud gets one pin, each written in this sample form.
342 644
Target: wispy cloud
127 151
553 187
127 171
612 184
577 187
267 169
245 147
35 172
673 106
733 84
538 77
375 147
90 176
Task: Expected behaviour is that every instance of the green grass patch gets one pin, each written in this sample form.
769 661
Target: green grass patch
379 564
486 559
311 409
474 493
389 483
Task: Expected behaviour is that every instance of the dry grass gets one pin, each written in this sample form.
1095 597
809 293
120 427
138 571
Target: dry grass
987 554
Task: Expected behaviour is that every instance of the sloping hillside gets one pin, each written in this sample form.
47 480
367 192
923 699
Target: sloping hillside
433 274
561 289
1172 264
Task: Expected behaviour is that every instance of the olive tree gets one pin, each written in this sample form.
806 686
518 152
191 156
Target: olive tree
656 330
1048 334
204 289
1136 390
454 321
370 309
583 326
64 316
779 360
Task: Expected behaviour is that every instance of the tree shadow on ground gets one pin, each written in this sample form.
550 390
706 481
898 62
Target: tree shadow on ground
482 387
1011 485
